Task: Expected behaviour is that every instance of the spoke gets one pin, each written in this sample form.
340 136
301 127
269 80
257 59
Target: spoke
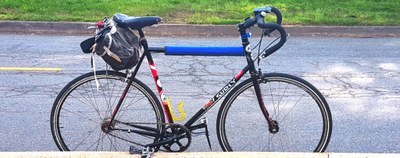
124 109
83 102
293 107
81 116
104 97
83 140
134 96
109 96
272 98
94 98
112 143
282 120
281 144
100 139
84 109
280 99
110 92
90 100
118 94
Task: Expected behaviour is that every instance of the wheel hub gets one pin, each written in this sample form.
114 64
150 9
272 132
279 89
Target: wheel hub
106 125
274 128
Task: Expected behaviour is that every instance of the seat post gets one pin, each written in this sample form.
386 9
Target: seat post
143 40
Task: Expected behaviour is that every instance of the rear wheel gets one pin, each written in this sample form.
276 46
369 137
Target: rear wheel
82 112
302 114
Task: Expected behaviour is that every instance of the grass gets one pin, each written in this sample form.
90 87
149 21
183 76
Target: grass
305 12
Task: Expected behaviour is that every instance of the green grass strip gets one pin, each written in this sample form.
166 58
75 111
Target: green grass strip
303 12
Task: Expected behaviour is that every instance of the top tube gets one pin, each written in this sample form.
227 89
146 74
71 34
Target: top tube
200 50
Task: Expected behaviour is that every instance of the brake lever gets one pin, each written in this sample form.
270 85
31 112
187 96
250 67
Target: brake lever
266 32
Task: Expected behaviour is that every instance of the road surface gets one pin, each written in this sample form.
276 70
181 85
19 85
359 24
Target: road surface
359 77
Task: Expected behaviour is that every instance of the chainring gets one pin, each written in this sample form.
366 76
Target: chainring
179 136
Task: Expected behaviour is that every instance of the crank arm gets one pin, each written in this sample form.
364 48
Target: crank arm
160 143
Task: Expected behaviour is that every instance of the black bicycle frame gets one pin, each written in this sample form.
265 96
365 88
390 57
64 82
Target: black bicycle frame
255 75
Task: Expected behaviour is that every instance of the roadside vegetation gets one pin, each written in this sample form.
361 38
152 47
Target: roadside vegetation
303 12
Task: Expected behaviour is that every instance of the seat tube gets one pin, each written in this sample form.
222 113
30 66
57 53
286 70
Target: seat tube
159 88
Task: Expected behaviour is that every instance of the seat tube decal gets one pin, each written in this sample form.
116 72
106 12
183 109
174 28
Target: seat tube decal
160 91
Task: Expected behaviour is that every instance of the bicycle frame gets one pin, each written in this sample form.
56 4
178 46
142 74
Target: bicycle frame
211 102
136 118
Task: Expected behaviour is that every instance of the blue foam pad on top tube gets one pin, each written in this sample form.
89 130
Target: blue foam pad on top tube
205 50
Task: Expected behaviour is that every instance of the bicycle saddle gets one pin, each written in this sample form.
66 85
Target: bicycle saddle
135 22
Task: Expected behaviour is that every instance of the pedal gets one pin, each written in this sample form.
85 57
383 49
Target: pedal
146 153
134 150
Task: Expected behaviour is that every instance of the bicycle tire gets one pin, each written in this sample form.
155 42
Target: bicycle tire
305 123
81 109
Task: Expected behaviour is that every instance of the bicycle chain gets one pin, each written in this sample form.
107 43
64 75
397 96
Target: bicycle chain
129 124
126 140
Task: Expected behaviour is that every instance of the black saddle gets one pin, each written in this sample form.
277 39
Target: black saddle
135 22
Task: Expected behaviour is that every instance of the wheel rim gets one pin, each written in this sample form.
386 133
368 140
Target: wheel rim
82 117
289 103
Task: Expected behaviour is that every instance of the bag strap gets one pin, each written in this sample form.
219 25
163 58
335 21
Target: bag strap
93 62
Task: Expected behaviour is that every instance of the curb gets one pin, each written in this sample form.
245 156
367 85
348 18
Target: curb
182 30
193 155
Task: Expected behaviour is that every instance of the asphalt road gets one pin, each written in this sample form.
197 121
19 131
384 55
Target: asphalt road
359 77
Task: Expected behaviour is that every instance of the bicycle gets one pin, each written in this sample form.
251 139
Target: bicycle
287 112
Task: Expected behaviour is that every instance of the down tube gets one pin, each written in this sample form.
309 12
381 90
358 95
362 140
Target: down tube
217 97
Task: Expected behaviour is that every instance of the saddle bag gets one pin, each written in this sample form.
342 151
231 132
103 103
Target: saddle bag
118 46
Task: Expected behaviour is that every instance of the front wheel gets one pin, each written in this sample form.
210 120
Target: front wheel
302 114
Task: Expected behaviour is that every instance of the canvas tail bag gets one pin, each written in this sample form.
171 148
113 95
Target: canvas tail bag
118 46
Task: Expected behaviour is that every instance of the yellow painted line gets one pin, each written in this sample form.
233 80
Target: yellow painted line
29 69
